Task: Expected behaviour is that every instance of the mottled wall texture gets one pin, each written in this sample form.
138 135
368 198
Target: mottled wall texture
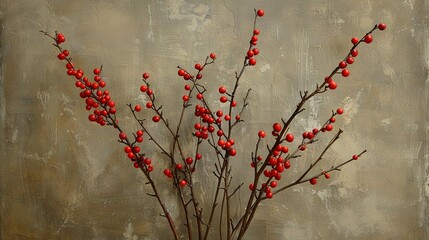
63 177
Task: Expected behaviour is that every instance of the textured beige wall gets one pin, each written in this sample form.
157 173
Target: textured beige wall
65 178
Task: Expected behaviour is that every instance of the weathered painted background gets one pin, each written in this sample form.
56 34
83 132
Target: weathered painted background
65 178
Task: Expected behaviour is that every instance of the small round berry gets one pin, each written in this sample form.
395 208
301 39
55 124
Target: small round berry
181 72
382 26
332 85
145 75
251 186
303 147
350 60
355 157
222 90
69 65
329 127
256 31
310 135
252 62
143 88
198 67
149 105
219 113
122 135
213 56
185 98
223 99
61 56
355 40
273 184
187 87
354 53
237 118
187 77
368 38
340 111
179 166
183 183
233 104
156 118
232 152
227 117
328 79
97 71
260 13
167 172
255 51
345 72
261 134
289 137
137 108
136 165
327 175
66 52
250 53
269 195
189 160
313 181
199 76
139 133
199 96
277 127
254 38
332 120
342 64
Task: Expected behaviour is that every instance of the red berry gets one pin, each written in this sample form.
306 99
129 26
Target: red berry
156 118
227 117
332 85
213 56
179 166
199 76
261 134
222 90
289 137
332 120
122 135
354 53
254 38
149 91
255 51
181 72
198 67
137 108
187 87
199 96
66 52
136 165
250 53
189 160
269 195
187 77
382 26
219 113
303 147
310 135
345 72
185 98
143 88
69 65
368 38
342 64
256 31
139 133
260 12
61 56
329 127
327 175
183 183
223 99
149 105
355 157
167 172
340 111
251 186
232 152
60 38
273 184
328 79
355 40
350 60
252 62
233 104
145 75
219 133
277 127
313 181
97 71
237 118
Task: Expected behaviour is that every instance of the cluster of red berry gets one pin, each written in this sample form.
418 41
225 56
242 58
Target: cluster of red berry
350 57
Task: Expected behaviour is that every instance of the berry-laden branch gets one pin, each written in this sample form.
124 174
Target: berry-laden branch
215 128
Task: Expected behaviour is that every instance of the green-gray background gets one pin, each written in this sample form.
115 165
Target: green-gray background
63 177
